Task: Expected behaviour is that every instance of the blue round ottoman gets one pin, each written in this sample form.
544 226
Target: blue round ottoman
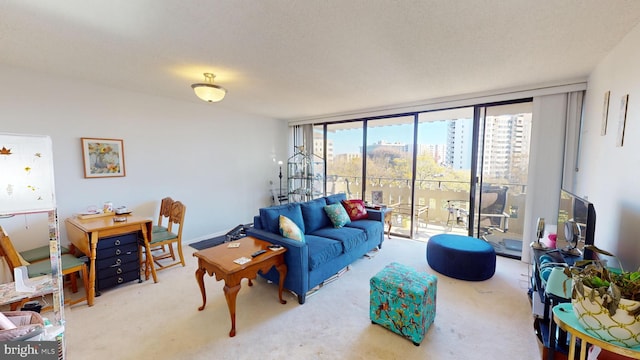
461 257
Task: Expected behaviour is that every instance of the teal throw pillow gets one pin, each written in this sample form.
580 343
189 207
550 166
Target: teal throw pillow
290 230
337 214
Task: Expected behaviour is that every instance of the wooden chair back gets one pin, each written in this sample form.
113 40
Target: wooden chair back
176 218
9 252
165 210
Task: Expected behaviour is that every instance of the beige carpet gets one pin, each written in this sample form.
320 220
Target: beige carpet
474 320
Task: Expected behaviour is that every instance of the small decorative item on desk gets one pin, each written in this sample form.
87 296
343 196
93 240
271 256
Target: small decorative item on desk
123 210
606 301
93 212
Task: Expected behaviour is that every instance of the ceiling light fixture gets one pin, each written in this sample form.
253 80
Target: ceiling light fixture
208 91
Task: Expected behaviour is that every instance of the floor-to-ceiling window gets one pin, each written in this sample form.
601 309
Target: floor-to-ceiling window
389 167
503 161
443 171
424 166
344 158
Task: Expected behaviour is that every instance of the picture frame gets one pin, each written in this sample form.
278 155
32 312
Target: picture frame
622 122
605 113
102 157
376 197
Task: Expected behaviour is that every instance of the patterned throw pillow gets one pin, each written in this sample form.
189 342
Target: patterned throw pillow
290 230
337 214
355 209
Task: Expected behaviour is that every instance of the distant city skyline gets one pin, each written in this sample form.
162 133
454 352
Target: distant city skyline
348 141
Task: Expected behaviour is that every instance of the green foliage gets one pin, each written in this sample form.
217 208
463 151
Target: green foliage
610 286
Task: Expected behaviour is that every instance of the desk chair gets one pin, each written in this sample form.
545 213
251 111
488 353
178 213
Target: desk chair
161 238
71 266
493 203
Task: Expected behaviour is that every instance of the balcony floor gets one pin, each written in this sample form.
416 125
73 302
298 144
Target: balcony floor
506 244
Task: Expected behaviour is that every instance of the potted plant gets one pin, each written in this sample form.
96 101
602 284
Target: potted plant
606 301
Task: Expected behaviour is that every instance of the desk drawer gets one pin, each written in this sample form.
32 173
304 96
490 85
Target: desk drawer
120 240
118 270
120 250
112 281
114 261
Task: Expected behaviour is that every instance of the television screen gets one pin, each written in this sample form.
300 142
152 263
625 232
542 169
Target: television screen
577 220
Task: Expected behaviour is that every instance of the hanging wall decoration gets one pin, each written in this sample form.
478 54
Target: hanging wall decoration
623 120
103 157
605 113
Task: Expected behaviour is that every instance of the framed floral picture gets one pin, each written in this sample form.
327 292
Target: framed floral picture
102 157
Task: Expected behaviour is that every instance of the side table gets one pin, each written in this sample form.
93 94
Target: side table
388 216
219 260
566 320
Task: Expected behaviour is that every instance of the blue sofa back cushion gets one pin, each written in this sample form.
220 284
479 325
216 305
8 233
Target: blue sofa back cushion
349 237
373 228
314 215
335 198
270 217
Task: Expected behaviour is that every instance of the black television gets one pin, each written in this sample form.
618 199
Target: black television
576 224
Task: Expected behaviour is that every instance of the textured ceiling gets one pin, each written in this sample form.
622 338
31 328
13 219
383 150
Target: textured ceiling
291 59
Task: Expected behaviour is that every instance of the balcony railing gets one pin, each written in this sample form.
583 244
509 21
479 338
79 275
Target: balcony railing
440 204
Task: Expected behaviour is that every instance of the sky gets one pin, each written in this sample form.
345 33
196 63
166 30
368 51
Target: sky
349 141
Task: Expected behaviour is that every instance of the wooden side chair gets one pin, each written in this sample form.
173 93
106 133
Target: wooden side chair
163 223
71 266
172 236
165 212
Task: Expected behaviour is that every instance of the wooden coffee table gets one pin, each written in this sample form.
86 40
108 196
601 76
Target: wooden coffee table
219 259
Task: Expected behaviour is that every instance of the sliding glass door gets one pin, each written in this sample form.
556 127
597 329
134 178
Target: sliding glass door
503 162
389 168
443 172
344 159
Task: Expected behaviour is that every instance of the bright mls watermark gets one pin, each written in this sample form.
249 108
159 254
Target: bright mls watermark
30 350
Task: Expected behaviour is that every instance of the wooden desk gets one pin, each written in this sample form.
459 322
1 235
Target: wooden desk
85 234
218 260
565 318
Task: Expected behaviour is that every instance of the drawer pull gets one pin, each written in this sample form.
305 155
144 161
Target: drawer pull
117 242
118 252
118 262
119 271
120 280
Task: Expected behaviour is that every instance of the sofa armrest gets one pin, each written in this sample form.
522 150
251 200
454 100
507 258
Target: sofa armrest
296 258
374 214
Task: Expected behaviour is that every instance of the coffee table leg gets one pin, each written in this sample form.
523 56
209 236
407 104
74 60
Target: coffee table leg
230 293
282 270
200 279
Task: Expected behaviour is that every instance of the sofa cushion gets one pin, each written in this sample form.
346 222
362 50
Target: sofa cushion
322 250
373 228
290 230
270 217
314 215
335 198
348 236
355 209
337 214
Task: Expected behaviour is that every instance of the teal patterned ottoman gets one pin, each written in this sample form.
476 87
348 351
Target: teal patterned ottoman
403 300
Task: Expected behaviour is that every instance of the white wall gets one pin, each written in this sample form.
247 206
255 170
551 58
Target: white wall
608 175
218 163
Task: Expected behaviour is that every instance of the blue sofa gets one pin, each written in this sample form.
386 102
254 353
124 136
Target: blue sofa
326 249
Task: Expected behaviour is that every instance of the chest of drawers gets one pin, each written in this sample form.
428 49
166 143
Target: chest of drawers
117 261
